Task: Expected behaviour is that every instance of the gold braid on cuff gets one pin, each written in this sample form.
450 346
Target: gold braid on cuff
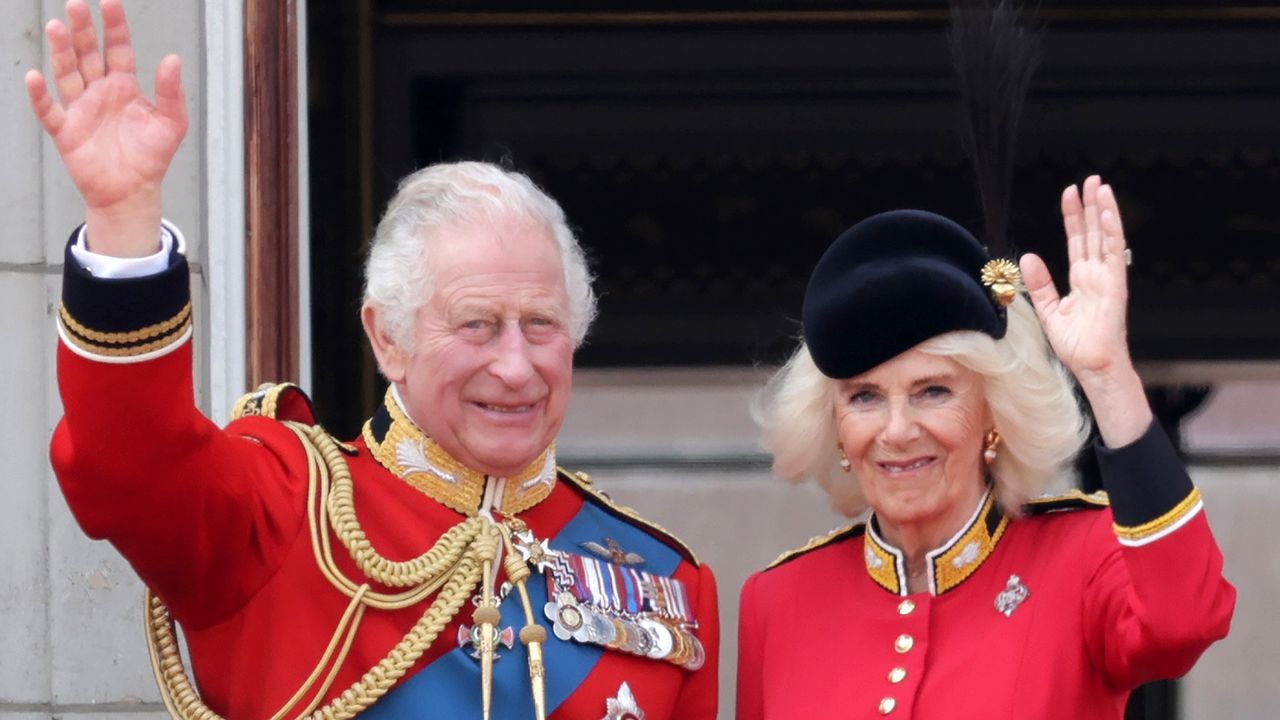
1147 530
125 344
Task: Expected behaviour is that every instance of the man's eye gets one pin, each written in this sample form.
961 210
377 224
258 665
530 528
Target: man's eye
540 325
477 324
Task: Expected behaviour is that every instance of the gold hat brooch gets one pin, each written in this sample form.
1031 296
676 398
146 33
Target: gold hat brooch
1003 279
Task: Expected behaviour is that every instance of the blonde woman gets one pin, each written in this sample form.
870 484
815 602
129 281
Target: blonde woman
927 391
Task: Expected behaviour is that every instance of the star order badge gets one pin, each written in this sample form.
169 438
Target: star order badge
536 553
623 707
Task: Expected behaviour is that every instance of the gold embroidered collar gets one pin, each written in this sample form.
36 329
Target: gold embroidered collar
400 446
947 566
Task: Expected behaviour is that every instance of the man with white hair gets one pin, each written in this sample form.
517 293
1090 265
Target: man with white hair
441 563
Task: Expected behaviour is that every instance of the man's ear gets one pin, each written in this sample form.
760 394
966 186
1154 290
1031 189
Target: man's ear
392 359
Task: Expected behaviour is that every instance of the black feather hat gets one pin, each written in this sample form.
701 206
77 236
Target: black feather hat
899 278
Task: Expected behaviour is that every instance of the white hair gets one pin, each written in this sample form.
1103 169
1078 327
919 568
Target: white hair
1030 394
398 277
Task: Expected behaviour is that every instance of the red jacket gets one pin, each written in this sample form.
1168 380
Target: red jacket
1046 616
215 522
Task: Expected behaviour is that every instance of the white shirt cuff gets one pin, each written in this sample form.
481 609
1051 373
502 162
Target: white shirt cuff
107 266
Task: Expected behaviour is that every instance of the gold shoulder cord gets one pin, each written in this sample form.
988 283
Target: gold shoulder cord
452 566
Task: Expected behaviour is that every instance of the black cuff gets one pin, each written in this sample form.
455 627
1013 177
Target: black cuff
124 317
1149 488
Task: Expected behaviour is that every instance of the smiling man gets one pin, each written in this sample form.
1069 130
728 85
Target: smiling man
439 565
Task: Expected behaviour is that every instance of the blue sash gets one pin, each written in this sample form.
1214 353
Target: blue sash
450 686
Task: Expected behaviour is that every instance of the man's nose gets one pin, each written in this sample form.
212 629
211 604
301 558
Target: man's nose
511 363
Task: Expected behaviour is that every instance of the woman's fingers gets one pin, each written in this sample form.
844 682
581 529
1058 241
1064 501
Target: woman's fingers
117 44
84 40
1113 247
47 110
1039 284
1092 226
1073 223
1112 226
62 58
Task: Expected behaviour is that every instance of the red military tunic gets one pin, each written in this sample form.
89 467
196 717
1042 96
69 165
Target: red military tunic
1058 614
215 521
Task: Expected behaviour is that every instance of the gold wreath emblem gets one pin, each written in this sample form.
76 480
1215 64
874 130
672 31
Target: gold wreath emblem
1003 279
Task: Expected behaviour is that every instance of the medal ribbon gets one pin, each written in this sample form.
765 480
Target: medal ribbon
619 589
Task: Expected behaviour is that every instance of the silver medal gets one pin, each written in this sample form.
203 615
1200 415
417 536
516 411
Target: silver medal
599 630
699 656
661 641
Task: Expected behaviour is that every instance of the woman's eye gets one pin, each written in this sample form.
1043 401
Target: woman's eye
862 397
936 392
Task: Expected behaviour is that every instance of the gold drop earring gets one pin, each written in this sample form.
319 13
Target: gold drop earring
989 452
845 465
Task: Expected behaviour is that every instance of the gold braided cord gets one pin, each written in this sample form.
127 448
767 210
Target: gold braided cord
441 556
176 691
129 351
377 681
117 338
518 573
345 627
439 560
455 557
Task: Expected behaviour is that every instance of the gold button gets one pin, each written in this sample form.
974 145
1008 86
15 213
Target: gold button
906 607
897 675
904 643
887 705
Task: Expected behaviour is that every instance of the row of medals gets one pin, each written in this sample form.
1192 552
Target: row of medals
646 635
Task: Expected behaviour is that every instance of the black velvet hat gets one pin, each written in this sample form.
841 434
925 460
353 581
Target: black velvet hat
893 281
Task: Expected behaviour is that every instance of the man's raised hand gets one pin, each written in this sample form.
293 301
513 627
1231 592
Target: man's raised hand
116 144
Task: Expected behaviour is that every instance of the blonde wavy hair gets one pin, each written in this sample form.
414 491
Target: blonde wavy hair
1031 397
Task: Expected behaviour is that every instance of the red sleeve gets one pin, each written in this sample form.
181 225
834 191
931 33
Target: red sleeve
1155 599
700 695
750 703
1151 611
204 516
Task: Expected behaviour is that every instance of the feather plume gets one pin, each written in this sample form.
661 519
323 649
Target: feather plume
995 50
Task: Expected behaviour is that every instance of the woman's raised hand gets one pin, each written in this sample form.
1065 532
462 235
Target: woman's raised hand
1087 327
116 144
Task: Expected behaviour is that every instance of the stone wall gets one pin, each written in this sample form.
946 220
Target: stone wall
70 615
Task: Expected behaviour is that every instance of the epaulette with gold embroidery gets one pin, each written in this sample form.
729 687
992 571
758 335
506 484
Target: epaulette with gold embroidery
279 401
285 402
582 482
1068 501
820 541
